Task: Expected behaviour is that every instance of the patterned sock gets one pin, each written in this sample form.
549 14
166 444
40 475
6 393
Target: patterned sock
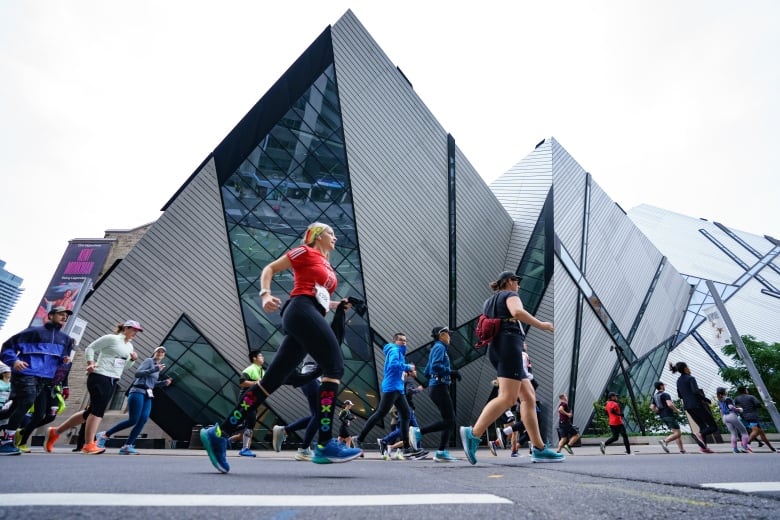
253 398
325 411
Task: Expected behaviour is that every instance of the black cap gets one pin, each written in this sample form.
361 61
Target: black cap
507 275
60 308
438 330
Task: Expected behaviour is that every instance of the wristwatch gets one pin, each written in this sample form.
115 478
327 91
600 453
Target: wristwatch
264 291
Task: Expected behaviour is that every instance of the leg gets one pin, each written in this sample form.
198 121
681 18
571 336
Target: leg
508 389
144 405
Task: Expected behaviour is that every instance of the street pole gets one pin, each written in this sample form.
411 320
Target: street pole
745 355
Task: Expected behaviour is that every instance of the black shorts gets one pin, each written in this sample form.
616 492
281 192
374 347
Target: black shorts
566 430
506 355
101 390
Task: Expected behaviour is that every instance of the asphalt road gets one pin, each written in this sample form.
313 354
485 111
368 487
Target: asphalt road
164 484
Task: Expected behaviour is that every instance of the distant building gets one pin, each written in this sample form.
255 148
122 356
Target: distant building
10 290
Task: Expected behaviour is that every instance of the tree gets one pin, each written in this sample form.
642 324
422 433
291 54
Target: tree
766 357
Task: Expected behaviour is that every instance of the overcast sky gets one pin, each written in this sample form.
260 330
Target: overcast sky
106 107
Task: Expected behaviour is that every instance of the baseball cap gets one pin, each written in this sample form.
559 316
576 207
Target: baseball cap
438 330
158 349
347 402
4 369
134 325
507 275
60 308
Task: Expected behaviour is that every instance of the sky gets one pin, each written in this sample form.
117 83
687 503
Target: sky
107 107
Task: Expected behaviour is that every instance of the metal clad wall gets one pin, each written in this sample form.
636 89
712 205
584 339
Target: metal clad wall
522 191
397 155
621 266
569 193
559 373
182 265
483 233
664 311
541 350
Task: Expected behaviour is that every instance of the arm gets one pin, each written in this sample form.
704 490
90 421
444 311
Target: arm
515 307
564 412
147 368
271 303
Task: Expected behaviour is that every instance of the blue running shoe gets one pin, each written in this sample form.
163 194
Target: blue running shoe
546 455
8 448
470 443
101 439
246 452
216 447
334 452
128 450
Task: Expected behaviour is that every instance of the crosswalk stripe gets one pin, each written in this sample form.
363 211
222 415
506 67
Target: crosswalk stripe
747 487
157 500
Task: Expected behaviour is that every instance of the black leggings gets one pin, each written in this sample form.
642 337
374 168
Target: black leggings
387 401
440 395
618 431
704 421
307 332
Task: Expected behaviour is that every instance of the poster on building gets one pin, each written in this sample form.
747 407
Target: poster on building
82 262
722 336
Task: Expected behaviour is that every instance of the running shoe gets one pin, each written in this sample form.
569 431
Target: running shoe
415 437
568 449
736 450
382 446
499 438
547 455
246 452
101 439
492 447
23 448
603 448
706 450
50 439
18 444
398 455
515 454
443 456
334 452
304 454
748 449
92 449
127 450
411 453
664 446
470 443
216 447
8 448
278 438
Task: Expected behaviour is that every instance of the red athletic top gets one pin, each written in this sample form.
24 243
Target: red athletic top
310 267
614 414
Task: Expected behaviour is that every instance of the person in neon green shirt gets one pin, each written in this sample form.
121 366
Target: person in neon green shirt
250 375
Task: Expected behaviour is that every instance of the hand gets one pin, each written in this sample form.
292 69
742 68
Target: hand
133 355
90 367
270 303
65 392
20 365
546 325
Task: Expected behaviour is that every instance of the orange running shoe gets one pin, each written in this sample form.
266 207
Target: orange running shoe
50 439
92 449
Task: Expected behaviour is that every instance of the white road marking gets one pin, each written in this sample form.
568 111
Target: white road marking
747 487
125 500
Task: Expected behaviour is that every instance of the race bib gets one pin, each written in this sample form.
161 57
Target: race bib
323 296
119 362
149 392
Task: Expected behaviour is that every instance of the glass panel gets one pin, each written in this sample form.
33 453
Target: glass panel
297 175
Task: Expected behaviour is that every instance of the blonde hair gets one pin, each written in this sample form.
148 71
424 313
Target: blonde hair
314 230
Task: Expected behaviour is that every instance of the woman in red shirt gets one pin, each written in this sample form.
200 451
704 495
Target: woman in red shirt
307 332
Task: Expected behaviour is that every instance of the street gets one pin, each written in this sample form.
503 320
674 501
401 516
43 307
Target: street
588 485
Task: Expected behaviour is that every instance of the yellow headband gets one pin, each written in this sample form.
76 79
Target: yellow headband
313 232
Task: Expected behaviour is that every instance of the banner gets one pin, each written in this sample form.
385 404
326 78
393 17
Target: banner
82 262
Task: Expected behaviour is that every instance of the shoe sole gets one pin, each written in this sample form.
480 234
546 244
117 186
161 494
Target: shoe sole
321 459
98 451
664 447
464 442
547 460
442 460
499 439
204 439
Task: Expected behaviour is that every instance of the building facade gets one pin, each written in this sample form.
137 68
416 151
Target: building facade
10 290
343 138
